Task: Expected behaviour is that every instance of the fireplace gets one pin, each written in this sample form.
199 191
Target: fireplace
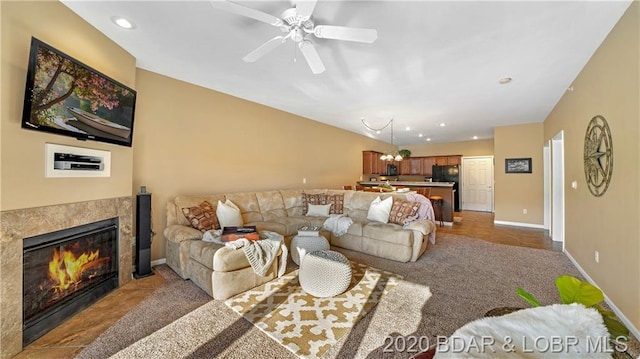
66 271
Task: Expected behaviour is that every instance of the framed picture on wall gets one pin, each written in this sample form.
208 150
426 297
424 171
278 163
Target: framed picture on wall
517 165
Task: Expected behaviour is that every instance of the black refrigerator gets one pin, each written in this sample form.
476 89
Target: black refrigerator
449 174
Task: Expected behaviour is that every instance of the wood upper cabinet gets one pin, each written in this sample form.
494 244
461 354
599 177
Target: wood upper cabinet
454 160
416 165
427 164
405 167
440 161
371 163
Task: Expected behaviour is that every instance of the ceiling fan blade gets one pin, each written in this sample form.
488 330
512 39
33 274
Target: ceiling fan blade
305 7
246 11
311 55
264 49
345 33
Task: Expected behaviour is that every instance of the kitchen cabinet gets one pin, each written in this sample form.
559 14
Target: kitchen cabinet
416 165
454 160
405 167
427 164
371 163
441 161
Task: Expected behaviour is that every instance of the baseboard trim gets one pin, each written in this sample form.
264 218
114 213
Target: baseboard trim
519 224
623 318
158 262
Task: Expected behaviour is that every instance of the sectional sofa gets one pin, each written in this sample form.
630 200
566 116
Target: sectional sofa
223 272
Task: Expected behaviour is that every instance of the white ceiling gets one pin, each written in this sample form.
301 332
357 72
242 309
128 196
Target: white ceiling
433 62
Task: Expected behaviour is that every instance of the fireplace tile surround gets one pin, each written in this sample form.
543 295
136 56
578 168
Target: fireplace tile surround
15 225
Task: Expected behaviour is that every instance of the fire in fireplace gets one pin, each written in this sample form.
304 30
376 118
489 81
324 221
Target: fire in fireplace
66 271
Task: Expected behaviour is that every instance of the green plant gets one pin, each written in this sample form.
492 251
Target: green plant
574 290
405 153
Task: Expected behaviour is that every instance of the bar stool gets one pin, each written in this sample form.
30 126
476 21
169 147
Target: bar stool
437 202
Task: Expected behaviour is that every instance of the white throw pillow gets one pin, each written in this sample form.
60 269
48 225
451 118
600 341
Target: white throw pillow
379 210
228 214
319 210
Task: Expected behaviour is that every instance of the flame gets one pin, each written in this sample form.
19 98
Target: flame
67 270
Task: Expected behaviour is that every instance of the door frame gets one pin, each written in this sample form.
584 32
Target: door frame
462 181
557 189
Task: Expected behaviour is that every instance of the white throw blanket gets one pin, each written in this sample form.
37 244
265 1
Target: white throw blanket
425 213
338 224
262 253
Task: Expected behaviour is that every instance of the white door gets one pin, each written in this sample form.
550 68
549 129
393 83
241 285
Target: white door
477 184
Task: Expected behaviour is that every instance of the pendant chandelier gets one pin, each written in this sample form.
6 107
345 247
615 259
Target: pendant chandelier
388 157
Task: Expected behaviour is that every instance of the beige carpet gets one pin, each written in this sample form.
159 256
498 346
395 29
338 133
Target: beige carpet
306 325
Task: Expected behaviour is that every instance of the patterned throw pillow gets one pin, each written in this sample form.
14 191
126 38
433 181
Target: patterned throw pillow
337 200
403 212
307 199
202 217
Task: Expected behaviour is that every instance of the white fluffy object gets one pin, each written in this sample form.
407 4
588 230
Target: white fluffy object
554 331
379 210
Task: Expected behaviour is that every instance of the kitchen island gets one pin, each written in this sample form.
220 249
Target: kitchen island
443 189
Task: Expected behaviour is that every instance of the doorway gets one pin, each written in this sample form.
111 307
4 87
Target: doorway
557 188
477 183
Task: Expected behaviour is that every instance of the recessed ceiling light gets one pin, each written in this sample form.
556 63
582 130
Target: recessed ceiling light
122 22
419 135
475 137
505 80
443 124
428 139
378 132
407 128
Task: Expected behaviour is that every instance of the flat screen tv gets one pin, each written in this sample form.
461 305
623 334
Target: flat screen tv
67 97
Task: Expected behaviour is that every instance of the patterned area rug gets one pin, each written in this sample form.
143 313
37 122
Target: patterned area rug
306 325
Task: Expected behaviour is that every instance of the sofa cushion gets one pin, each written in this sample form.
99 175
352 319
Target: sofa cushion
319 210
191 201
203 252
229 214
202 217
228 259
248 204
337 203
379 210
272 226
312 198
292 201
293 223
389 232
403 212
271 205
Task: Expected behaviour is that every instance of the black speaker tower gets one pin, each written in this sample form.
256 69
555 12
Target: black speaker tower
143 234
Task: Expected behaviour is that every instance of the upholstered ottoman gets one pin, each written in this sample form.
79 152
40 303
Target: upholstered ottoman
325 273
301 245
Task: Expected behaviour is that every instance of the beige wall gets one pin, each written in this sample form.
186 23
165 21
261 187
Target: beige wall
608 86
191 140
23 184
515 192
464 148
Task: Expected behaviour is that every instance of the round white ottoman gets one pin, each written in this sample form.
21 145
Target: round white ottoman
325 273
301 245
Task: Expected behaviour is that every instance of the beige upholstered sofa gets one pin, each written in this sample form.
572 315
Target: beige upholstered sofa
223 272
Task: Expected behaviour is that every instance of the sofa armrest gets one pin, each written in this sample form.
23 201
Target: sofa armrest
179 233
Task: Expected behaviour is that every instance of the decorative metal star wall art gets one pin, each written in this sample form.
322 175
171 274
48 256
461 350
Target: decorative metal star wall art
598 156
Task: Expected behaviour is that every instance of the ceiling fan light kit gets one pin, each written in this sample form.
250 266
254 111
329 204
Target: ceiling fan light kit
298 26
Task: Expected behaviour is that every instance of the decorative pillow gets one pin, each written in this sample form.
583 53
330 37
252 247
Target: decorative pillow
379 210
403 212
319 210
307 199
202 217
229 214
337 200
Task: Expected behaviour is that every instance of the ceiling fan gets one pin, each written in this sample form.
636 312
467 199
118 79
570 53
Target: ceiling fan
297 24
